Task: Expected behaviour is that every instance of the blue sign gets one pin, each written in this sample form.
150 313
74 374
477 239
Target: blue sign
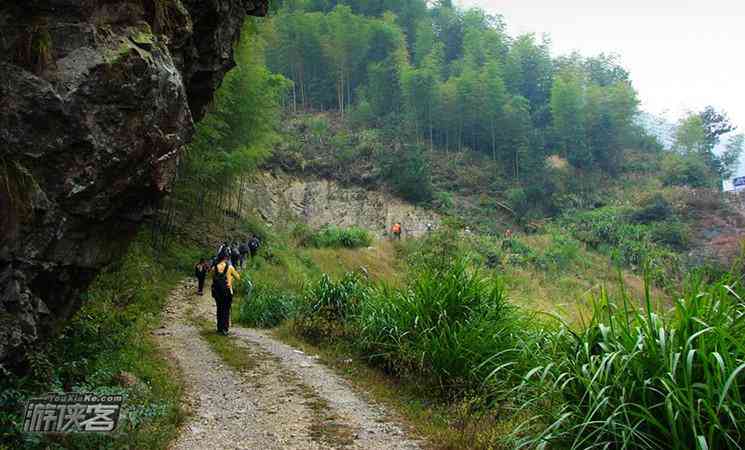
739 181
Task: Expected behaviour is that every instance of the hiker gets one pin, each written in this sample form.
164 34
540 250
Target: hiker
396 230
200 271
429 228
235 255
253 245
243 251
222 291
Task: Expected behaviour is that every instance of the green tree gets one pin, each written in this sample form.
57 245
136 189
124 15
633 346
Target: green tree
567 109
730 159
345 47
529 73
715 124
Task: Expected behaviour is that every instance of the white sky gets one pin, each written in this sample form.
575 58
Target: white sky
682 54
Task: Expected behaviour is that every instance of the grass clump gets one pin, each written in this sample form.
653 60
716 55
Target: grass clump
336 237
634 379
453 327
266 307
326 306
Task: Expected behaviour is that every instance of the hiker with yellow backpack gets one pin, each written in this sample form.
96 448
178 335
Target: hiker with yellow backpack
223 275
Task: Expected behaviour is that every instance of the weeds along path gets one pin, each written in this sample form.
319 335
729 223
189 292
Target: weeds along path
281 398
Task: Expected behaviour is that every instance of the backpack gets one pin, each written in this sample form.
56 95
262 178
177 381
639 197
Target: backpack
243 249
224 251
220 282
253 244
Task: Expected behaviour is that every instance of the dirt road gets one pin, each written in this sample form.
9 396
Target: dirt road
286 399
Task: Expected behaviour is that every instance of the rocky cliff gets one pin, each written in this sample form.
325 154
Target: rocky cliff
278 198
97 99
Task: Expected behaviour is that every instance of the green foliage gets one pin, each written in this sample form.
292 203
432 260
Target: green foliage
438 249
453 328
686 170
106 337
452 79
627 377
336 237
698 135
632 244
237 132
562 252
443 200
408 173
266 307
322 312
633 379
517 198
656 209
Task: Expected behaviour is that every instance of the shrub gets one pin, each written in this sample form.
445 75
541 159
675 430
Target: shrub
444 200
408 172
517 198
322 312
686 170
674 234
333 236
656 209
634 379
438 249
518 251
266 307
107 336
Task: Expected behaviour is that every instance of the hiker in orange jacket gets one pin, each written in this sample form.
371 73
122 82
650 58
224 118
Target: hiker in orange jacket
396 230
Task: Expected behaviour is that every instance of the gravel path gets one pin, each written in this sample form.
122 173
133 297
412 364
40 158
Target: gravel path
286 400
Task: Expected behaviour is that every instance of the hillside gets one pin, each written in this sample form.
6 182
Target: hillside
569 275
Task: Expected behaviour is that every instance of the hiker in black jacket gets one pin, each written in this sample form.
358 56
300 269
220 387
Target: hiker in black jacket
235 255
243 251
200 271
253 245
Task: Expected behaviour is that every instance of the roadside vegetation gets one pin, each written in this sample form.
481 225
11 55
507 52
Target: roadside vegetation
625 370
107 348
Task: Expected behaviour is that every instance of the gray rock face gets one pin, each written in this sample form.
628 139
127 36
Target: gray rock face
279 198
97 99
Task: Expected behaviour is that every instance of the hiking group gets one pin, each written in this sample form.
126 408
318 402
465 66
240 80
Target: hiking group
224 269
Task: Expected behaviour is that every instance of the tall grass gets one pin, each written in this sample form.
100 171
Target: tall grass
630 376
634 379
266 307
326 305
452 327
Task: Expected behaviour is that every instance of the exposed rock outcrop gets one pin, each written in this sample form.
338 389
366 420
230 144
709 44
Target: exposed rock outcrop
278 198
97 98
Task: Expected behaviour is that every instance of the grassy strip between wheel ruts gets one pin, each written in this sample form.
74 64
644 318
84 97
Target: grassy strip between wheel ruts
326 428
229 348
